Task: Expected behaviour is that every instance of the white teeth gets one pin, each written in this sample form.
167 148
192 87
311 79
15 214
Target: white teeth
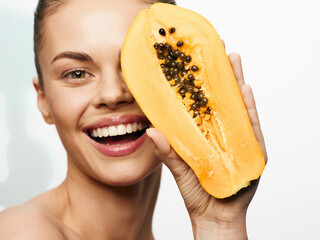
99 131
94 133
121 129
105 132
134 127
129 128
112 131
118 129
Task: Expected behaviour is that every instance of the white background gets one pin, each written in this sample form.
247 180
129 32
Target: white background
279 44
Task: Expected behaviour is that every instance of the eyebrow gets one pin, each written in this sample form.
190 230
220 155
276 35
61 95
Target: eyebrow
80 56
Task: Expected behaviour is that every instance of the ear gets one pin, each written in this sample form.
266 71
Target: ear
42 101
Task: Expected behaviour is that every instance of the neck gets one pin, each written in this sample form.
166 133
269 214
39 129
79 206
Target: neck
99 211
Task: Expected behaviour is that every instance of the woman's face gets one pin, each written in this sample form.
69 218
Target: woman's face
85 95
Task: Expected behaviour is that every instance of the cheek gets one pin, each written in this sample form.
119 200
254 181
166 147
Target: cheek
67 105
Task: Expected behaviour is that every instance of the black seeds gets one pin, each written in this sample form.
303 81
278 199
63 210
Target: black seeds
184 81
176 79
170 57
176 76
194 68
179 43
160 52
180 65
172 54
194 106
173 69
198 103
166 71
173 64
172 30
194 96
156 46
190 77
189 89
167 47
168 62
204 102
182 91
196 113
162 32
182 56
183 73
188 82
179 85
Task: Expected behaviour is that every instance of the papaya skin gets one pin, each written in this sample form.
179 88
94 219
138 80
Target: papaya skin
228 157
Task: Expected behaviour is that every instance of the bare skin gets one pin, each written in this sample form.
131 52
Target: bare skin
106 197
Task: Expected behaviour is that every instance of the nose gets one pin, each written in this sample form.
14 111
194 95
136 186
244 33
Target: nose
112 91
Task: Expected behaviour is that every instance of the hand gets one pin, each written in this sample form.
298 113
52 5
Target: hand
213 218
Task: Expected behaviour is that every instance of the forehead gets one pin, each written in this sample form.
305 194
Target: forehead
83 25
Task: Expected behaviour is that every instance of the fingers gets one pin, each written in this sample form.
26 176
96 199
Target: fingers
166 154
235 61
192 192
236 65
247 95
162 146
248 99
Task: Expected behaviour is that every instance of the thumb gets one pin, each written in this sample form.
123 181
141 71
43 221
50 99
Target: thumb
188 184
167 155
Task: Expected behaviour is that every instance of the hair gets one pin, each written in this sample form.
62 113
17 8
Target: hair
46 8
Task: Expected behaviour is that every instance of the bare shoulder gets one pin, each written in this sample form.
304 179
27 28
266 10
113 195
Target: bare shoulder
24 222
28 222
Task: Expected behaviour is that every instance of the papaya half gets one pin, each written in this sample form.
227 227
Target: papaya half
176 67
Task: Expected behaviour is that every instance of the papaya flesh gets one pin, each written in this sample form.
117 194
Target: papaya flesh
176 67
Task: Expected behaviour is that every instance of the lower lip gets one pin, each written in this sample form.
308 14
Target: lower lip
116 150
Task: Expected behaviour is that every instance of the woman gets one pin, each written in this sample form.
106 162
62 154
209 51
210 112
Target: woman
109 192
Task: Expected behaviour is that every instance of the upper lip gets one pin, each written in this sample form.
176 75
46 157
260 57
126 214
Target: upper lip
116 120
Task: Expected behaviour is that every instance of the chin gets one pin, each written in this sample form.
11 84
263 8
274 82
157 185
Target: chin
130 179
125 170
128 174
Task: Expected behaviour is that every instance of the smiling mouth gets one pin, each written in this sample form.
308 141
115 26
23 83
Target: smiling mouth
118 134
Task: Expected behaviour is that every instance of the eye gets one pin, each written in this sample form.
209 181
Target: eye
77 76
